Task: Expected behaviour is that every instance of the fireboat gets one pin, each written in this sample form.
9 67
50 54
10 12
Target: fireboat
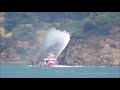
50 61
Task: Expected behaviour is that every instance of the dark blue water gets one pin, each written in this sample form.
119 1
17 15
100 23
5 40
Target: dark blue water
23 71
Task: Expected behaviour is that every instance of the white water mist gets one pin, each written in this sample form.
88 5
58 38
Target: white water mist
58 39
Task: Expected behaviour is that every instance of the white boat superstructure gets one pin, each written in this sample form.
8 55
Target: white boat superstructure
50 61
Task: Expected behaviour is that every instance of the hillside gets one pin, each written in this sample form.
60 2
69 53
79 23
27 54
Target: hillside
95 37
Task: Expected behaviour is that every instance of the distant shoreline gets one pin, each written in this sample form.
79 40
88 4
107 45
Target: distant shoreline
68 65
11 62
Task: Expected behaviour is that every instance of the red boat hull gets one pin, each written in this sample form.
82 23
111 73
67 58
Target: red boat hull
50 63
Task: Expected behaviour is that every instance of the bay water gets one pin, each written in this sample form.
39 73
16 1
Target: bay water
24 71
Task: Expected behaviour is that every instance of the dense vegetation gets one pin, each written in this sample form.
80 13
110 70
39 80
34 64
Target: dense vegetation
22 26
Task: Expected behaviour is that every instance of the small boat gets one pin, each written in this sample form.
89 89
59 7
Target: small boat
50 61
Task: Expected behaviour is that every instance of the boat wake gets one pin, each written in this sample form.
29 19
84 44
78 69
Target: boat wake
66 66
61 66
52 66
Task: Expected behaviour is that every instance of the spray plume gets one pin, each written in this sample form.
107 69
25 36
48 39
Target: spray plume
53 41
56 41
